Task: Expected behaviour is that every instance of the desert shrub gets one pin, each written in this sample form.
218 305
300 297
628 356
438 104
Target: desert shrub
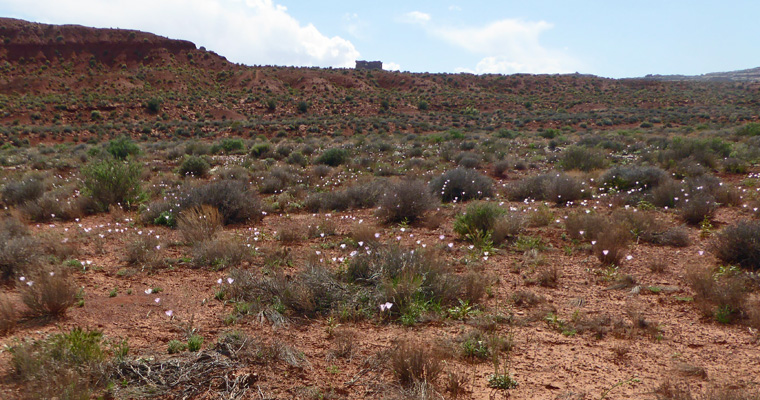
68 364
55 205
462 184
406 200
675 237
234 172
297 158
412 363
585 226
698 208
333 157
667 194
201 223
290 231
141 250
411 280
29 188
612 243
7 315
500 168
750 129
261 150
582 159
18 249
277 180
478 220
738 244
507 227
220 252
176 346
559 188
363 195
235 202
733 165
229 145
122 148
194 166
624 177
110 182
49 293
721 297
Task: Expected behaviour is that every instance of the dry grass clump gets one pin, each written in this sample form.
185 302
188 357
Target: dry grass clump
612 244
290 232
197 224
721 297
49 293
8 315
413 362
220 252
18 249
405 201
142 250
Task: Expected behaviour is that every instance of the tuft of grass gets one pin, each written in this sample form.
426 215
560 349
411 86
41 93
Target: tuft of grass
412 362
200 223
49 293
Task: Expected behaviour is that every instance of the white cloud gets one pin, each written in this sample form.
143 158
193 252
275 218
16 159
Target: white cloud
391 66
415 17
245 31
507 46
455 8
354 25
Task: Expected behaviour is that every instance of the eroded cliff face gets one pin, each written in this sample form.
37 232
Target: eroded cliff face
35 42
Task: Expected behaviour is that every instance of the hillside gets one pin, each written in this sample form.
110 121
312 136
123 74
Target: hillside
744 75
63 82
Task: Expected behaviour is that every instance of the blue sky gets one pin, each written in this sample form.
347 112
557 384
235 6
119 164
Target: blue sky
606 38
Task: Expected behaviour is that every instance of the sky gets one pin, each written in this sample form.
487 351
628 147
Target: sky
608 38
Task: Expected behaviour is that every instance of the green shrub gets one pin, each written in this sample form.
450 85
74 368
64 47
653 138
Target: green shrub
111 181
194 166
194 342
303 107
154 105
750 129
175 346
122 148
333 157
478 220
462 184
65 366
229 146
